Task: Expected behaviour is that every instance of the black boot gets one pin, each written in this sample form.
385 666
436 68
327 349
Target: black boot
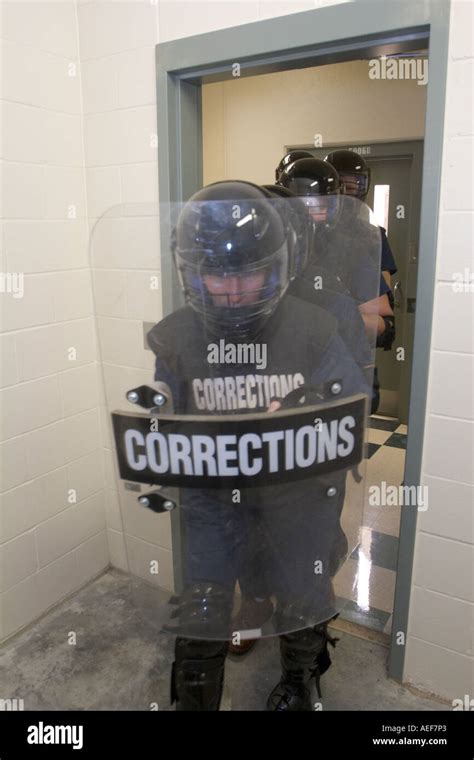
304 655
197 676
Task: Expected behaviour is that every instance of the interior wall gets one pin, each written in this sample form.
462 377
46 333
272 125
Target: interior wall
248 122
120 151
52 515
440 646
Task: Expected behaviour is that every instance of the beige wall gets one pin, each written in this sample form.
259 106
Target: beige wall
248 122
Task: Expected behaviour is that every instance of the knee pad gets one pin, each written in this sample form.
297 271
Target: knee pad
308 640
204 609
308 647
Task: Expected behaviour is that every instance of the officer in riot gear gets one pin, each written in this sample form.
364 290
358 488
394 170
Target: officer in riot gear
355 176
319 186
312 177
236 253
351 330
319 189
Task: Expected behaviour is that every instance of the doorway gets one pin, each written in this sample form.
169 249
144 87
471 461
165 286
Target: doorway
247 127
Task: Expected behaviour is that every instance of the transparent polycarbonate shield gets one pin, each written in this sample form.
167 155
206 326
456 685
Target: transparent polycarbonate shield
237 422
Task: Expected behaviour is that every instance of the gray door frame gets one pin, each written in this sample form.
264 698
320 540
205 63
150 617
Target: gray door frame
365 28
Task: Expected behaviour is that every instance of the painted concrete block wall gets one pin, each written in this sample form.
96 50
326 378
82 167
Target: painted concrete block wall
117 42
440 648
50 542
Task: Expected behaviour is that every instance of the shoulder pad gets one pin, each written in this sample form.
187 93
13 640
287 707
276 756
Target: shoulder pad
166 337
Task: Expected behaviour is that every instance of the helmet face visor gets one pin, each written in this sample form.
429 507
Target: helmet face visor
323 209
234 256
356 185
234 301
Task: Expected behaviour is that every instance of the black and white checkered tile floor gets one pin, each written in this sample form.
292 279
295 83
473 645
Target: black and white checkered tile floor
366 583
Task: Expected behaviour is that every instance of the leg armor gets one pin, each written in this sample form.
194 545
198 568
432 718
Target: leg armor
197 676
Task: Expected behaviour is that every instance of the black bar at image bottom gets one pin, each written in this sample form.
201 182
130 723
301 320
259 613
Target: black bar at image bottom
446 733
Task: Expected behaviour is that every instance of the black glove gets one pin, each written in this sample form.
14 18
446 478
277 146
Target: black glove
385 339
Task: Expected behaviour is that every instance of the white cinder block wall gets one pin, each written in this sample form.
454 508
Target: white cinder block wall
52 542
440 645
116 47
117 43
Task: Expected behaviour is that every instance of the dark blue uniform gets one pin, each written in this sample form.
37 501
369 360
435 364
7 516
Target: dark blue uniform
387 260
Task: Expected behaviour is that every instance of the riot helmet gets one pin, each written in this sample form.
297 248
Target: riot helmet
318 184
232 250
290 158
353 171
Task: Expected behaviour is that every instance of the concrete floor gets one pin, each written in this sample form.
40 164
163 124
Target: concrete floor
122 663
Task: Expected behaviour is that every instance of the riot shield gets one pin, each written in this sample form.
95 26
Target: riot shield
237 422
